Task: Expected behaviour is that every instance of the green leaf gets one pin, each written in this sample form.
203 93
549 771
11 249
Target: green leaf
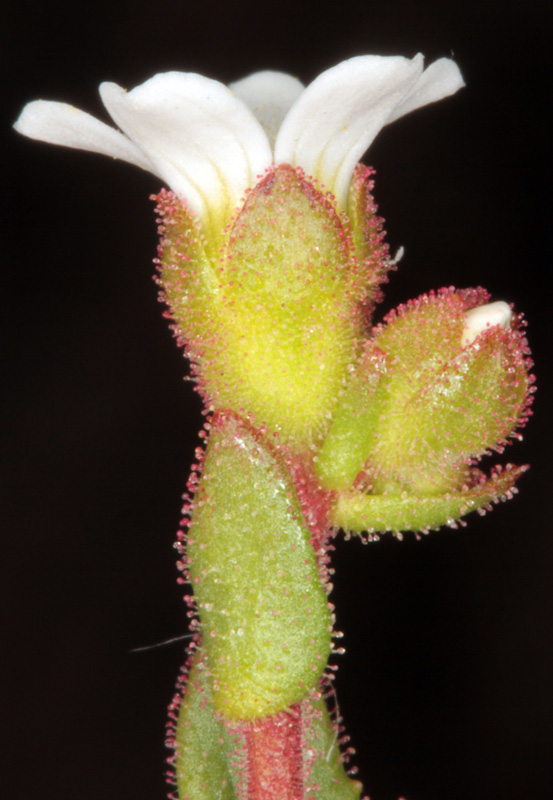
265 619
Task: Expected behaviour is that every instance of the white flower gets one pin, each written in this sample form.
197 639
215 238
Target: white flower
209 143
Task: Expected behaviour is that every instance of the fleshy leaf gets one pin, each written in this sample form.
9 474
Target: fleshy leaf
357 512
264 616
203 746
289 755
324 765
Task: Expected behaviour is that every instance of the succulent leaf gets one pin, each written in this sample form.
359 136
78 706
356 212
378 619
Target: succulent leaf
359 512
203 746
264 613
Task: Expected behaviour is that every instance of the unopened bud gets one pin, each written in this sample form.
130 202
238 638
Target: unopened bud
437 398
448 401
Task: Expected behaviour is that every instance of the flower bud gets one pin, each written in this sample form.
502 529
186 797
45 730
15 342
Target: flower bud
447 402
447 381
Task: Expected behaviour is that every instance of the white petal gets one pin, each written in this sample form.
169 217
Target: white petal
337 117
60 123
204 142
481 318
270 95
441 79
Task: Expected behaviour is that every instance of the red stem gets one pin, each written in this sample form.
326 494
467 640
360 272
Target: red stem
274 757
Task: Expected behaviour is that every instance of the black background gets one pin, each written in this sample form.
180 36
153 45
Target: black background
446 684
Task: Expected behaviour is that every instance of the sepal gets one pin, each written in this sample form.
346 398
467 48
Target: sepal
184 265
368 235
349 441
275 319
